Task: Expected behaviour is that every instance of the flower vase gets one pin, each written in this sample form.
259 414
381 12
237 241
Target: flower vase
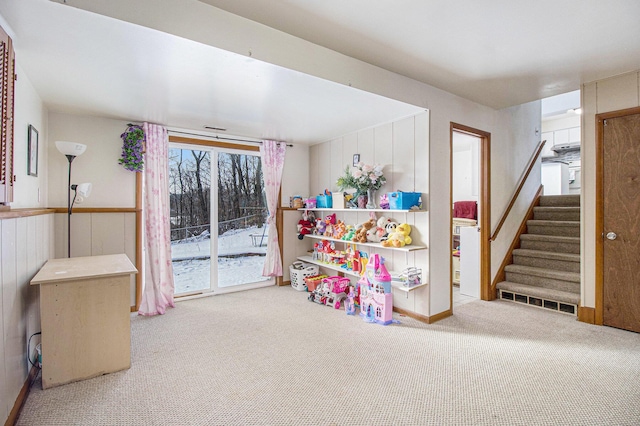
362 201
371 196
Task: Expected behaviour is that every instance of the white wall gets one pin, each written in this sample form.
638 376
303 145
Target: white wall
598 97
113 186
465 167
29 191
295 176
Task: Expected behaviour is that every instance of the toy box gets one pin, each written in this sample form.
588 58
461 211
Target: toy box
324 201
403 200
314 281
310 203
298 271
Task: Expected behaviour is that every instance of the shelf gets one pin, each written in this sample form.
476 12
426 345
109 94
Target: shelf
394 284
365 210
406 248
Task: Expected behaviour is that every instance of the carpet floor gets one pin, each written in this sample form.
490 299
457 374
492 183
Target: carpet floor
270 357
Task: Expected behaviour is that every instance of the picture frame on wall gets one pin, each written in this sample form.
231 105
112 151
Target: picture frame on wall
32 151
356 160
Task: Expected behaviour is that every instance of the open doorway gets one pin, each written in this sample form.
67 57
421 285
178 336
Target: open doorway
470 201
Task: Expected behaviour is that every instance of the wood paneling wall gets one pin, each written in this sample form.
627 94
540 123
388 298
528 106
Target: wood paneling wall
26 243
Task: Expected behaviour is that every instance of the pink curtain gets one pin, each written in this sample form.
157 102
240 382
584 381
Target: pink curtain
158 289
272 154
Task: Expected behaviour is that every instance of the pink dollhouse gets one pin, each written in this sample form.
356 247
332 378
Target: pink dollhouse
376 299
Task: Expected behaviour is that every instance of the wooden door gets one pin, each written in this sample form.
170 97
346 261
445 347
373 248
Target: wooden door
621 222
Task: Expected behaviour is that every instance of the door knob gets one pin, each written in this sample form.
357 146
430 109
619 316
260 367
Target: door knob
611 236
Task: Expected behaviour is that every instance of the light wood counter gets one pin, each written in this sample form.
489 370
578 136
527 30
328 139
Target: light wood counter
85 315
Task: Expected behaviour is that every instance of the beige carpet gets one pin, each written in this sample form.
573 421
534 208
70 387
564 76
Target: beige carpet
270 357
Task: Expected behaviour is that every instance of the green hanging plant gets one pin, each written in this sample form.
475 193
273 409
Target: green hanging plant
132 148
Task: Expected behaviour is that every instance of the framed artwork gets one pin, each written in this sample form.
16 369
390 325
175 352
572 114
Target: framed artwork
32 152
356 159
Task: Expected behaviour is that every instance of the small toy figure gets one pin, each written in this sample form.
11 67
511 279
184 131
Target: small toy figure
350 305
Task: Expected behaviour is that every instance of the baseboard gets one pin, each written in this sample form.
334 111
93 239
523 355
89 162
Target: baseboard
22 397
423 318
586 314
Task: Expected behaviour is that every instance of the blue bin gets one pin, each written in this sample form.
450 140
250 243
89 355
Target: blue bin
324 201
403 200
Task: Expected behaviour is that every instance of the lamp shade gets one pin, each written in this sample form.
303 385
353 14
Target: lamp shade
70 148
84 189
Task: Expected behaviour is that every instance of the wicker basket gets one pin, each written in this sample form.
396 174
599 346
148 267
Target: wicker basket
299 271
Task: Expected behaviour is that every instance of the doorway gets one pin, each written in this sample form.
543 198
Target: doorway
218 216
470 214
617 220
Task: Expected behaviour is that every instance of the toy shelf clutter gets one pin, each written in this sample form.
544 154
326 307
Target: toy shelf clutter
402 262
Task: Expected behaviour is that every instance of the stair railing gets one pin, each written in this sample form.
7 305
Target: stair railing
514 197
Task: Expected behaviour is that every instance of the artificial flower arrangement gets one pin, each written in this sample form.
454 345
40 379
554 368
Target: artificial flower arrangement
364 179
132 148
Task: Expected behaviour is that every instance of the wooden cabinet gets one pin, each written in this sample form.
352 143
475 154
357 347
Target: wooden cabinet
85 315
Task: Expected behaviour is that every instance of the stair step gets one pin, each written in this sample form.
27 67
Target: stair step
560 200
539 293
556 213
550 243
562 228
543 277
568 262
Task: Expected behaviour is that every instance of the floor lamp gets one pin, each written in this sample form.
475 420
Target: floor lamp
71 150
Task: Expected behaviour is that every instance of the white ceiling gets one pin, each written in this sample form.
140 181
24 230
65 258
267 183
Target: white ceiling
496 52
81 62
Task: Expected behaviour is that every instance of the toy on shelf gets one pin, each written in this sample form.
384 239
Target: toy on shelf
306 225
361 231
400 237
321 226
329 222
376 299
411 277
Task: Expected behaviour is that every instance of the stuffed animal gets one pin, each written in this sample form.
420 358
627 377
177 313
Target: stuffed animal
400 237
350 233
320 226
339 229
361 233
306 225
329 222
375 234
388 225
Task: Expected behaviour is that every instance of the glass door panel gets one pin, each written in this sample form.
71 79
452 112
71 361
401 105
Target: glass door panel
241 214
190 203
218 211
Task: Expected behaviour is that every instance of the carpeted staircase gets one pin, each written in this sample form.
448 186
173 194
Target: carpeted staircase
546 268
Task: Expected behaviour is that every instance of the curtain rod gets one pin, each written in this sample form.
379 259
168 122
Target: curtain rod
222 137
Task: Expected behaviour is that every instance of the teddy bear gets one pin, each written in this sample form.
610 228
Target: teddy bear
400 237
361 233
388 225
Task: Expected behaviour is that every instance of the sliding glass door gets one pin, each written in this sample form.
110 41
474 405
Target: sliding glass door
218 215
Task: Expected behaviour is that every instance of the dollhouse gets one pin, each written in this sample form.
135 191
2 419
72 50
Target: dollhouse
376 299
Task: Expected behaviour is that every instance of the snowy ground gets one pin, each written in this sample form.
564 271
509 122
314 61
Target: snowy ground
239 260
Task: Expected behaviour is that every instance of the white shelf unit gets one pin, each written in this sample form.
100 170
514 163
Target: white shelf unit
394 283
365 210
406 248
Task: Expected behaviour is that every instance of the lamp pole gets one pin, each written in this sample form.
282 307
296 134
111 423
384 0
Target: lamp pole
70 158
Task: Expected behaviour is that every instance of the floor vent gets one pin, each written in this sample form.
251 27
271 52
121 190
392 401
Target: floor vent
553 305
